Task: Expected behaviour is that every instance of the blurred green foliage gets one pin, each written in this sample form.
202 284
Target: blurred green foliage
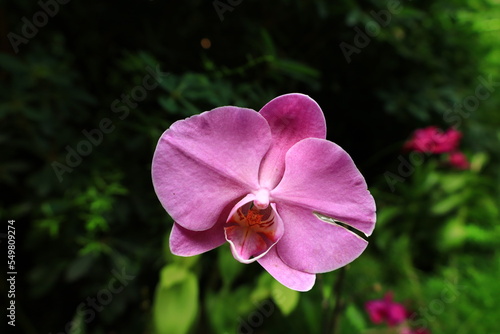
437 230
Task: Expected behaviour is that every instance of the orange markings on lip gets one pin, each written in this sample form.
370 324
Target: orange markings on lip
252 231
253 218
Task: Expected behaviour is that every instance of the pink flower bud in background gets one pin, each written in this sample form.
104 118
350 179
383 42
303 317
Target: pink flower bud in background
385 310
458 160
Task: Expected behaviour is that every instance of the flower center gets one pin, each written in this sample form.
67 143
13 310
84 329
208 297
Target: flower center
252 231
253 217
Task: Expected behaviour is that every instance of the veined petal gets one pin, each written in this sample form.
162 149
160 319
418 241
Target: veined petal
315 246
321 177
251 231
184 242
204 162
289 277
291 117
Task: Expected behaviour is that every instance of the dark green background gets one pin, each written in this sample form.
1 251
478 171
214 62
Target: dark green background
440 225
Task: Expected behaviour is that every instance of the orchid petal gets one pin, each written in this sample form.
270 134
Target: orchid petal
251 231
321 177
289 277
184 242
291 117
313 245
203 163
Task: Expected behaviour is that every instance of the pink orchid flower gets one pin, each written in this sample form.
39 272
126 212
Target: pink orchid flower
259 180
385 310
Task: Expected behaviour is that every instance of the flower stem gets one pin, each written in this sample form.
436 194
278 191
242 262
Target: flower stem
339 302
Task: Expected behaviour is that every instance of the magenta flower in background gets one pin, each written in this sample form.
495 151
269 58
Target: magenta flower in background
433 140
458 160
448 141
385 310
257 180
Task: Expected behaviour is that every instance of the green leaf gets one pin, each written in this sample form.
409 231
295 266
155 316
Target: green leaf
176 301
386 214
480 236
168 104
447 204
181 261
453 183
286 299
355 318
228 266
79 267
308 309
297 70
263 288
453 234
267 43
228 308
77 324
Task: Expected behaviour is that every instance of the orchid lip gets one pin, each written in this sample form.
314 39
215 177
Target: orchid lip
252 232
